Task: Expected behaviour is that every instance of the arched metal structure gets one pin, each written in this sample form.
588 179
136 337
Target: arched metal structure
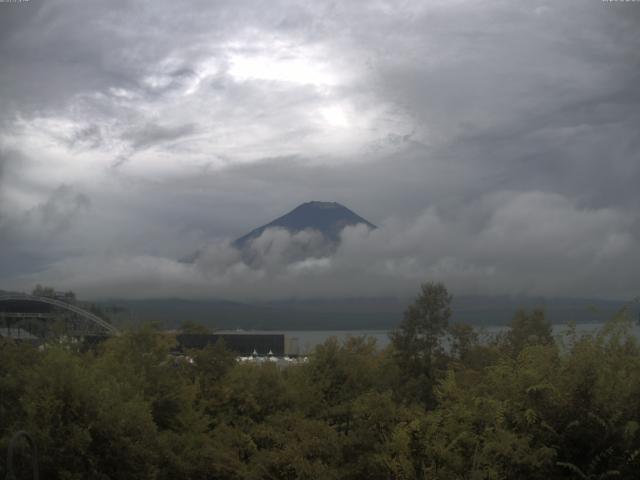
110 329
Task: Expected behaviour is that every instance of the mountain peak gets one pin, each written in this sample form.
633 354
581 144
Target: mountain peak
320 204
329 218
316 204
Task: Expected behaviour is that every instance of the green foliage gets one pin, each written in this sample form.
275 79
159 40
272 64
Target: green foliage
290 446
40 291
189 326
82 419
528 329
522 406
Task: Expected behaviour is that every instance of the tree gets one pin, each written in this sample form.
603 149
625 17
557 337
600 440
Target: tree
87 424
189 326
528 329
417 339
464 339
290 446
210 365
40 291
336 375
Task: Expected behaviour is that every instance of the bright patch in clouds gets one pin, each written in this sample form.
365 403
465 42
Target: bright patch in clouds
335 116
298 68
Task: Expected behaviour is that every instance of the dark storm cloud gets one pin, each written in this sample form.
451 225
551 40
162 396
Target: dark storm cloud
32 237
152 134
61 207
494 142
53 216
87 137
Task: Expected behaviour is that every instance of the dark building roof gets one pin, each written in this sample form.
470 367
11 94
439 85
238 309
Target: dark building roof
24 306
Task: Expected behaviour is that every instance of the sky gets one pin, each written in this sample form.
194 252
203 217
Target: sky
494 143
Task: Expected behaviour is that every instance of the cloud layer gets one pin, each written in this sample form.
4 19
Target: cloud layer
531 243
494 142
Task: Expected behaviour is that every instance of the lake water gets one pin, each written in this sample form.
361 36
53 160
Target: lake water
307 340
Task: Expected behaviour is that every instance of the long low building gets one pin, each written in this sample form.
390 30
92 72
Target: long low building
244 344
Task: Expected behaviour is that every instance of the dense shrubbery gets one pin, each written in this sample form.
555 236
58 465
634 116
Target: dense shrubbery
521 406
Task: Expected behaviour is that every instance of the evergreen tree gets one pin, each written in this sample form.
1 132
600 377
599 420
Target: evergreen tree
417 340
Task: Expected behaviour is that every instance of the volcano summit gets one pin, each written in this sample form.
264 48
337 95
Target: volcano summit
328 218
324 218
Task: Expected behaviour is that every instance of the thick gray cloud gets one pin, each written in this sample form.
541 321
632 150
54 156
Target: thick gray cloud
495 142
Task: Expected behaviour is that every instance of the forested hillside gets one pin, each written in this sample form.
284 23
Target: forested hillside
523 406
348 313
